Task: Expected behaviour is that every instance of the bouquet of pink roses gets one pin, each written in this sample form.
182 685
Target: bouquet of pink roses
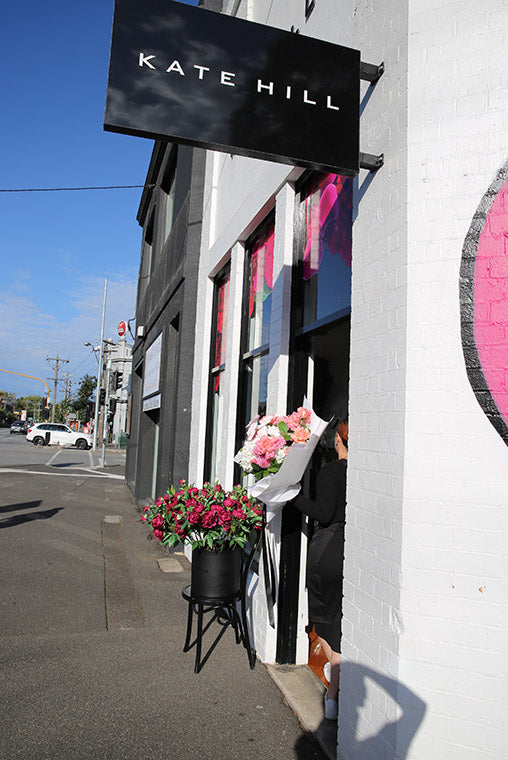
269 439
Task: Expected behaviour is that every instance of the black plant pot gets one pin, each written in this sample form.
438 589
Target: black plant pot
216 575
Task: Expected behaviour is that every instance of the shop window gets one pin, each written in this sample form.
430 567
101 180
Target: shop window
325 254
218 362
260 290
146 256
258 311
168 200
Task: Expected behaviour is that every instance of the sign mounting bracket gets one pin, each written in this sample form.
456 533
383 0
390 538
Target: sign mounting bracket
371 162
370 72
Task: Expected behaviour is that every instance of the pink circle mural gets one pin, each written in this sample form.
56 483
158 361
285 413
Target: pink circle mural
484 303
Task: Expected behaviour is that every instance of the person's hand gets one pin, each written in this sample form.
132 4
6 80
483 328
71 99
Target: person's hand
340 447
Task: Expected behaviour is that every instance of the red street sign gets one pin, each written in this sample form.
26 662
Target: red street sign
122 328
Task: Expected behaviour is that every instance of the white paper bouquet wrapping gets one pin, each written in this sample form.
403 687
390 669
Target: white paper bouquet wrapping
277 450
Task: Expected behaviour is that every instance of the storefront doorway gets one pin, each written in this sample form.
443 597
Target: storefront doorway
326 353
319 364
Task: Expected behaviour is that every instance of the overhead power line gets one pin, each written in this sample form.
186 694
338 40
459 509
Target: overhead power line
66 189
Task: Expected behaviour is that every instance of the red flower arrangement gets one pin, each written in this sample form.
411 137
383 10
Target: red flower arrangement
206 518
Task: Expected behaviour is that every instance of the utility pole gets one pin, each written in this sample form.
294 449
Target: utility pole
99 369
68 388
57 361
105 415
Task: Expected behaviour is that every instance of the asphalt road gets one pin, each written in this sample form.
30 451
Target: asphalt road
16 450
91 631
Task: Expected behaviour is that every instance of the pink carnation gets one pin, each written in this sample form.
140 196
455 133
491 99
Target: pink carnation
158 521
266 448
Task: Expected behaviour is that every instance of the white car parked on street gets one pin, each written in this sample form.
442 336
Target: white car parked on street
51 433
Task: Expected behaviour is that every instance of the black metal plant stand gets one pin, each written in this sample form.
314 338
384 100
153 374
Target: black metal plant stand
224 612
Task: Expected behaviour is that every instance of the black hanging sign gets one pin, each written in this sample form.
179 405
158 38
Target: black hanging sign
188 75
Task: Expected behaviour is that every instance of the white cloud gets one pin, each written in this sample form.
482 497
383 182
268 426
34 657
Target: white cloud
28 335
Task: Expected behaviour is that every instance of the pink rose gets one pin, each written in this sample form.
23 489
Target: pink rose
305 414
239 514
300 435
159 535
158 521
209 520
225 519
194 516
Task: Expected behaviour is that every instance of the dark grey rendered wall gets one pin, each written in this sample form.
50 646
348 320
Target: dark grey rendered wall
166 304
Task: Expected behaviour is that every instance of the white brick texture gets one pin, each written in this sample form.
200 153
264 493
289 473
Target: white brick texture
425 660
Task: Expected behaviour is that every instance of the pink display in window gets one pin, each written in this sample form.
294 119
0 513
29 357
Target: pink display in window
220 337
261 278
328 222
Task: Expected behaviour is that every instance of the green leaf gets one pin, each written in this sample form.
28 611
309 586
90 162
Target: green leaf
285 431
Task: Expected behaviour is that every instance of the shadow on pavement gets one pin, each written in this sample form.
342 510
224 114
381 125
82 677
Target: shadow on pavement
10 522
21 505
67 464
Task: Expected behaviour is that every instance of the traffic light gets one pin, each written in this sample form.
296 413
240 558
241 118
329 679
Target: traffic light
102 396
112 381
112 405
45 414
118 380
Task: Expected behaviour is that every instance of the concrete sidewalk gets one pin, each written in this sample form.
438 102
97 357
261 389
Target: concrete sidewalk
91 662
301 689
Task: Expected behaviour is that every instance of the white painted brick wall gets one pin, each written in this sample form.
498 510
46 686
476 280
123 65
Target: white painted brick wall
452 520
425 608
454 588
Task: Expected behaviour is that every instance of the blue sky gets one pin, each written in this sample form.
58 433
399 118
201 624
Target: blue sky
56 248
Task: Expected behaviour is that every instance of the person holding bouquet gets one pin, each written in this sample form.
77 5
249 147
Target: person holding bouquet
325 559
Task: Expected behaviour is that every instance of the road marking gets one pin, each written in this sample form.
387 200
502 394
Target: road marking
101 474
64 474
55 455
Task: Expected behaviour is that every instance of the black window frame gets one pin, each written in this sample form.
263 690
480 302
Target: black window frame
220 278
247 354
